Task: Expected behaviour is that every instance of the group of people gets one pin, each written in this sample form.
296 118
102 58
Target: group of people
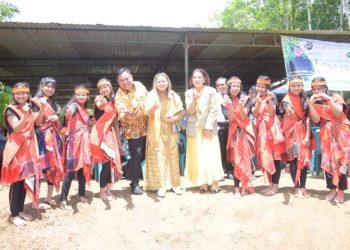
226 131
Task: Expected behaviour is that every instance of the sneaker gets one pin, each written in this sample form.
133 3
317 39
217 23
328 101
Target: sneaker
18 221
136 190
161 192
178 190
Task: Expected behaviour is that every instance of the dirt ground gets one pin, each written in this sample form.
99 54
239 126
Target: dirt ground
190 221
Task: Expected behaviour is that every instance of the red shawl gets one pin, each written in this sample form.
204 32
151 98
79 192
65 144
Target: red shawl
294 130
270 140
78 155
20 158
335 140
241 147
104 142
51 160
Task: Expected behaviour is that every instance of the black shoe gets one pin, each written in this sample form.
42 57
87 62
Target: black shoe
136 190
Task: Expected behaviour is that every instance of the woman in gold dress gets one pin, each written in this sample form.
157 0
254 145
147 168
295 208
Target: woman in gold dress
164 109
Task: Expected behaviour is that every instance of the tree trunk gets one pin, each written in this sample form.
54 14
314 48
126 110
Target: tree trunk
341 16
346 10
309 14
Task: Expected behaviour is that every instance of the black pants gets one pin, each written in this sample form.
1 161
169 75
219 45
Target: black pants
105 176
67 181
17 197
342 185
137 155
276 176
293 172
222 133
235 179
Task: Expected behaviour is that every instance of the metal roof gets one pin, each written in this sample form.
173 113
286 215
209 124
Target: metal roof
84 53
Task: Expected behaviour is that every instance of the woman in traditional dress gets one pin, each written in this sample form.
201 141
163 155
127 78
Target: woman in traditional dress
50 143
21 163
77 149
296 130
164 109
270 140
329 110
241 137
105 142
203 157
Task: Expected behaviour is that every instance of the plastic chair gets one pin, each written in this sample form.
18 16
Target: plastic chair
182 153
316 154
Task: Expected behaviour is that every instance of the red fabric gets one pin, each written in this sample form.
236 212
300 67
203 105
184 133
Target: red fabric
52 160
20 158
241 147
335 141
294 130
103 140
78 154
270 140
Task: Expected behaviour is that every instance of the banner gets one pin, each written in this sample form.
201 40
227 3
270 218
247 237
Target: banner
311 58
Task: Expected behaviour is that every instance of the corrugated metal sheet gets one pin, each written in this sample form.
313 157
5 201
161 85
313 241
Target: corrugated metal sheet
83 53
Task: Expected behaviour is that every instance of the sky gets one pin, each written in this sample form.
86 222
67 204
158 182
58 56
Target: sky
160 13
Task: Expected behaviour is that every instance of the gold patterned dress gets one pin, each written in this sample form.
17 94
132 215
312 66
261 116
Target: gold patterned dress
162 155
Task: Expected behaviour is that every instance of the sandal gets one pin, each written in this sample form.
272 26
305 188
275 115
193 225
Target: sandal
24 216
51 202
203 188
82 199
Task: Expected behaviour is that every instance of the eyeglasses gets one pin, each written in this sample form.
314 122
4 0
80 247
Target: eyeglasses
220 85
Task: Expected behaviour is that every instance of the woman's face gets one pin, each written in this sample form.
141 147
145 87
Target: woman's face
318 90
251 94
81 98
198 79
260 88
296 88
235 89
161 83
48 90
105 90
21 97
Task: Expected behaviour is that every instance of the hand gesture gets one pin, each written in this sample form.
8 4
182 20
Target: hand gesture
306 141
324 96
269 95
155 106
207 133
52 118
103 100
314 98
258 100
195 96
243 100
43 100
26 108
290 111
227 102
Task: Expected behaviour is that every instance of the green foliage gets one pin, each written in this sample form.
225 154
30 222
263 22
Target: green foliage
280 14
7 11
5 98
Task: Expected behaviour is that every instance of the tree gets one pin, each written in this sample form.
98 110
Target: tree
7 11
282 14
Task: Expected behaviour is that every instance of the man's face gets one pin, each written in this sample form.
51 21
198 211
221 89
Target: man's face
221 86
298 52
125 81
